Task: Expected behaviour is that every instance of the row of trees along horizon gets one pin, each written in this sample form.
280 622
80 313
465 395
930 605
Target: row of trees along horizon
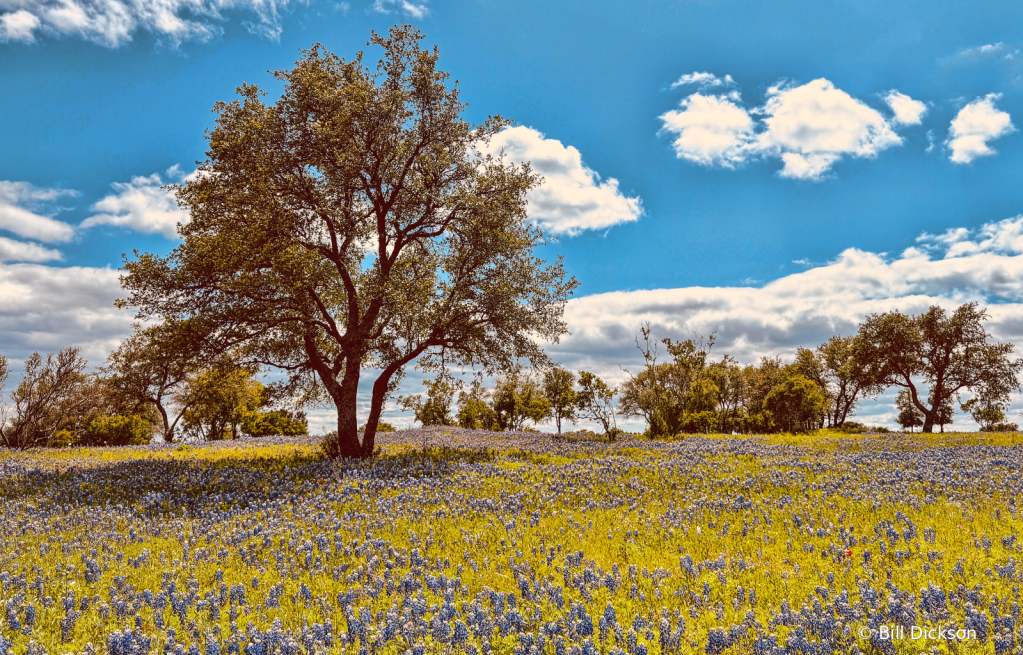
359 224
146 390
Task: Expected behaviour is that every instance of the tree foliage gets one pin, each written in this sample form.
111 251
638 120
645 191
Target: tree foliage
949 354
355 224
595 402
558 388
435 408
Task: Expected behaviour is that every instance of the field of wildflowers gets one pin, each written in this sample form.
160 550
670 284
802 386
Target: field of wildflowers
457 541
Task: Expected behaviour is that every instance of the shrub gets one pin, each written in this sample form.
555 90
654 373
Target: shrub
118 431
477 415
265 424
700 423
1000 427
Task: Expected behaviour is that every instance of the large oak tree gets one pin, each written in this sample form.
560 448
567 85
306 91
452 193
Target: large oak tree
356 224
949 354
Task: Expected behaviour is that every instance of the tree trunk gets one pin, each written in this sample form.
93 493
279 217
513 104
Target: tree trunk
928 423
346 443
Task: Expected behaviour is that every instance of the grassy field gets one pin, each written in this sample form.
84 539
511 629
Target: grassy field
453 541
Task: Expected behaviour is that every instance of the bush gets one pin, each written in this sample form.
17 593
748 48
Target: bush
1000 427
701 423
382 426
265 424
477 415
118 431
851 427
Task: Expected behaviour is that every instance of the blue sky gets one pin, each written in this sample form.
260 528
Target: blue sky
755 168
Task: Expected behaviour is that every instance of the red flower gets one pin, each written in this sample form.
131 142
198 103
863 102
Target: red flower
848 553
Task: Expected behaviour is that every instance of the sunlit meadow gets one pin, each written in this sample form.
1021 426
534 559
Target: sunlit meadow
453 541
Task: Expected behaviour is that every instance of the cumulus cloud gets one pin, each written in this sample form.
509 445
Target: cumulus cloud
113 22
46 308
974 126
710 130
703 80
413 9
808 127
142 205
28 211
572 197
907 111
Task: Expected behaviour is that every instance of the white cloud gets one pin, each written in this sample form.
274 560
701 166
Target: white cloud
819 124
808 127
975 125
907 111
703 80
572 197
46 308
142 204
413 9
710 130
113 22
24 209
17 251
18 26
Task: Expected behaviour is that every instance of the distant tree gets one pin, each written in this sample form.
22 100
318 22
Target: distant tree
274 422
732 392
909 416
355 224
835 367
435 409
218 400
797 403
561 396
595 401
153 366
474 411
989 415
665 392
55 396
950 354
518 398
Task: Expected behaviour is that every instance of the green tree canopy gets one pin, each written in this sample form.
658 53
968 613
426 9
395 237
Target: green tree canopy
561 396
355 224
949 354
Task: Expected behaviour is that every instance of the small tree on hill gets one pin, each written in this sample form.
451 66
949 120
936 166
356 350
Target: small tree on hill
518 398
595 401
435 409
558 389
909 416
797 404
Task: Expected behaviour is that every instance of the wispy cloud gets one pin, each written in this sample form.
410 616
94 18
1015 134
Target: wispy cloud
113 23
974 126
413 9
703 80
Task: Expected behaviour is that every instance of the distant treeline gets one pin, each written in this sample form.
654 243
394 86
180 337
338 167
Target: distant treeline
157 384
933 357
